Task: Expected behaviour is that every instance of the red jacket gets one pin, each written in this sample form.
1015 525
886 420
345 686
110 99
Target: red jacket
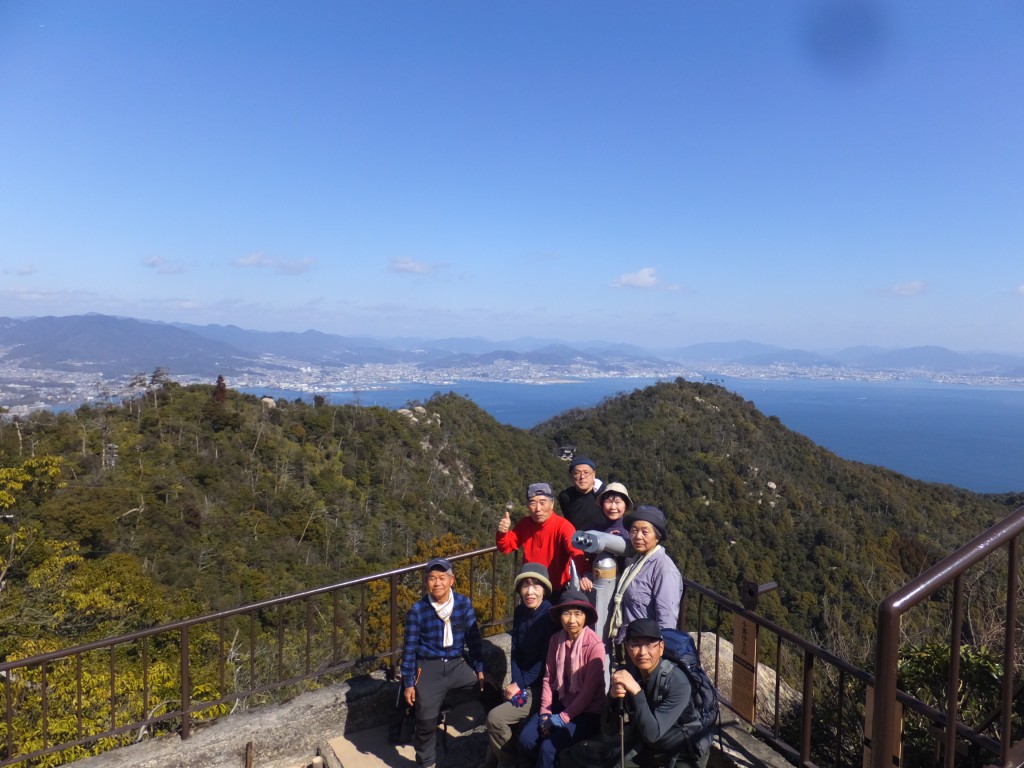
549 544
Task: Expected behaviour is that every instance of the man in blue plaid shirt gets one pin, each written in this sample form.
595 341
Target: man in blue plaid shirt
441 636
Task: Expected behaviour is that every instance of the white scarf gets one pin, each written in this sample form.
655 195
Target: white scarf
631 572
444 613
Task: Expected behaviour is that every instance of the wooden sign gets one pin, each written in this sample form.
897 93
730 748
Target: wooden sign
896 748
744 668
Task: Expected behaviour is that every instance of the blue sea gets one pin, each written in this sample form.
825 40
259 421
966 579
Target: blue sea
968 436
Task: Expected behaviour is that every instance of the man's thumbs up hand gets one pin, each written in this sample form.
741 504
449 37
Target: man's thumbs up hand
505 523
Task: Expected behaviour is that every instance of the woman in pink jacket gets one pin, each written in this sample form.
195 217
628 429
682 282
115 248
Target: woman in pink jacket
572 695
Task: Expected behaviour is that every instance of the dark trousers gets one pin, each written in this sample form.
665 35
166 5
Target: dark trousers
546 749
646 758
436 678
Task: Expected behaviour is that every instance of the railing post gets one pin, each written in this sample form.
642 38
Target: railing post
393 607
808 713
883 726
494 588
78 692
113 689
953 680
1012 585
9 715
309 634
44 691
186 686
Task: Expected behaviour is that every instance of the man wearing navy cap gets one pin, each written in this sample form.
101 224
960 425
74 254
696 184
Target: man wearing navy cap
578 502
442 652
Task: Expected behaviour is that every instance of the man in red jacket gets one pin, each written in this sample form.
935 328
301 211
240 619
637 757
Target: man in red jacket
546 538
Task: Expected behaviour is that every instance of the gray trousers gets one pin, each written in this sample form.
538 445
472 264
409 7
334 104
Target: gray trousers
500 722
436 678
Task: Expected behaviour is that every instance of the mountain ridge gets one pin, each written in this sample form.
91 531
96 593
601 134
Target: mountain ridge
42 340
59 360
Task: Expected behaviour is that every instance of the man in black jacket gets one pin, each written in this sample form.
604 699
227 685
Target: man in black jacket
578 502
659 701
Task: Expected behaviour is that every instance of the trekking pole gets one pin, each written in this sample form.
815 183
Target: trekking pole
620 663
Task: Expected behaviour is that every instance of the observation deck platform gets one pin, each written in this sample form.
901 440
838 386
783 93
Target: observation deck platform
346 726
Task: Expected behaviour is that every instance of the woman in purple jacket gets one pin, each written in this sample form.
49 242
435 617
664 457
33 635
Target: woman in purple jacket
650 586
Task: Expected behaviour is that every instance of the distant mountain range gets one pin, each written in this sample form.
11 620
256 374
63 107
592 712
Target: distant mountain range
115 346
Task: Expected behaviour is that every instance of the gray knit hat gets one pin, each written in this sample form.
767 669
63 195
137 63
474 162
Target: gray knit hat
537 572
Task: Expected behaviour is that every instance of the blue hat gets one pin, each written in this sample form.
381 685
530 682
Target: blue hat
539 489
439 564
651 515
582 460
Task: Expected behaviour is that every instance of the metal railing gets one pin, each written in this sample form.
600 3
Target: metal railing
951 572
823 726
827 725
106 691
113 691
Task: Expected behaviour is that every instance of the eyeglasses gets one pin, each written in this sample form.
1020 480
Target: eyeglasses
582 472
636 645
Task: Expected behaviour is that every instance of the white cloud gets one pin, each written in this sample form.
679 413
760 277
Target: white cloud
913 288
262 261
411 267
181 304
24 271
643 278
163 267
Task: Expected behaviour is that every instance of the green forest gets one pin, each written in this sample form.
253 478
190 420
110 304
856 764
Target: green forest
179 501
182 500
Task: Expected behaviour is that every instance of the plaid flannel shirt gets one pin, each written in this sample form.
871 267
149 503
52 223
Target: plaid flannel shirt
424 635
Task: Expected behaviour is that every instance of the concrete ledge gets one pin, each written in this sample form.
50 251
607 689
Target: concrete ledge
283 735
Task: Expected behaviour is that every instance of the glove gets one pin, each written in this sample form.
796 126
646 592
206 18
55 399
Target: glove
544 725
556 721
519 699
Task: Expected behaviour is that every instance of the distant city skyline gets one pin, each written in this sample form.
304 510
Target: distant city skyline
802 174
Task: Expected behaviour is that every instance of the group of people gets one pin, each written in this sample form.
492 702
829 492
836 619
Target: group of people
595 580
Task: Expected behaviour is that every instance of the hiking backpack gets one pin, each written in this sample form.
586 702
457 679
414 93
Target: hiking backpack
681 651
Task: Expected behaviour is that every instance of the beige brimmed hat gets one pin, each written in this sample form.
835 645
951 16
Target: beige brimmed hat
619 489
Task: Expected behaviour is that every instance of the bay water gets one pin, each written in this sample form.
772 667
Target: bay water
965 435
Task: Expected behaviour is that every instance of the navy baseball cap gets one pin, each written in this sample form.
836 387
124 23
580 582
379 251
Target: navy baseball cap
439 564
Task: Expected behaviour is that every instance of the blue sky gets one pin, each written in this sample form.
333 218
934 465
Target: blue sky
812 174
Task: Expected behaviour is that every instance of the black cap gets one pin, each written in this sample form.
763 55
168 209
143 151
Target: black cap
643 628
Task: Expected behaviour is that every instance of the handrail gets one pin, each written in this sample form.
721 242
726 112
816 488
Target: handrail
239 611
268 623
21 674
812 654
890 613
